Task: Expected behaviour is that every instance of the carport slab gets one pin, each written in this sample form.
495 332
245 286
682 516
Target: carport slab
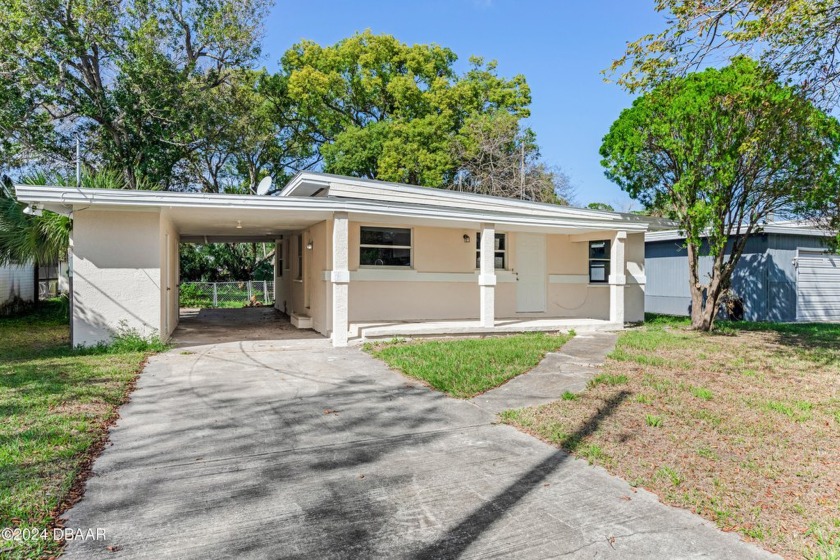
294 449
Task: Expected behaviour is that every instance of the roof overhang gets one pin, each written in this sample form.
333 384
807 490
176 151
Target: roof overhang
210 214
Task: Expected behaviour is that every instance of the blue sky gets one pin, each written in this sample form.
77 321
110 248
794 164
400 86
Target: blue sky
560 46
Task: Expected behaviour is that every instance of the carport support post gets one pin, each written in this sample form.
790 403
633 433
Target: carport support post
340 278
617 278
487 275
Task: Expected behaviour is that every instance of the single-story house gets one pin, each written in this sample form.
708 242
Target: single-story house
785 274
17 284
357 255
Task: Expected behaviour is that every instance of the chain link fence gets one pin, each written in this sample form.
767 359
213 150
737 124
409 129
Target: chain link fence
226 294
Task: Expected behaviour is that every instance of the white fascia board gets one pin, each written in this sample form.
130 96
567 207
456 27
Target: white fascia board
788 228
351 187
58 198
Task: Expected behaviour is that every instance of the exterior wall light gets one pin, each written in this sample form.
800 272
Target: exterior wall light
238 224
309 245
466 238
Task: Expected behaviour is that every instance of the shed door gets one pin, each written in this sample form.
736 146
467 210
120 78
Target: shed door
530 270
817 287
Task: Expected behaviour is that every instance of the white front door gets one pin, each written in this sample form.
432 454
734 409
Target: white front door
530 271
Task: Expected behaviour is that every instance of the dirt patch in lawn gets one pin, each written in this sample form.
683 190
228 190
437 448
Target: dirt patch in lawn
743 429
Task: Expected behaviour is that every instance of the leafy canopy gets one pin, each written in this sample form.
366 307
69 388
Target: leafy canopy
136 80
721 149
382 109
797 38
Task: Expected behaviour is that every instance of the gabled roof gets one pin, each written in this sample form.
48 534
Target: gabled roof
786 227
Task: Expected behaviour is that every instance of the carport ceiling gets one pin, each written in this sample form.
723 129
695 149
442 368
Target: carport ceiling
246 225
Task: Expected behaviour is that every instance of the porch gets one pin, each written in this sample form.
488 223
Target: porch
363 331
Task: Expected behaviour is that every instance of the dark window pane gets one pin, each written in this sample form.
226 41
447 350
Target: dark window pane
500 241
385 236
599 271
599 249
498 261
375 256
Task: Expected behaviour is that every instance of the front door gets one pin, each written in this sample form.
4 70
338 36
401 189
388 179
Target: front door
530 271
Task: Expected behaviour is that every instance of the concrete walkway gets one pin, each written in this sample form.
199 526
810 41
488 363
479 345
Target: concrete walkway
294 449
566 370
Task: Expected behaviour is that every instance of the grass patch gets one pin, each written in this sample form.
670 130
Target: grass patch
653 421
607 379
702 393
55 406
746 426
568 396
465 368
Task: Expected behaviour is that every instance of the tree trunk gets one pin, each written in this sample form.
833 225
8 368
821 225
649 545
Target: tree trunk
695 287
705 298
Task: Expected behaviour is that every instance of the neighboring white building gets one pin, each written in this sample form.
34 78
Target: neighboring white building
17 282
357 255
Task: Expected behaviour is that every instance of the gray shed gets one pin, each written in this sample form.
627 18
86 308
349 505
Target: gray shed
784 275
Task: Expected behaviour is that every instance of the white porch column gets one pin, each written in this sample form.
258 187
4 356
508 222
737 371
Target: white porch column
340 277
617 278
487 275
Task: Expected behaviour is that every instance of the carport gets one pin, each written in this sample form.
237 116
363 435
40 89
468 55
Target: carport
124 250
217 326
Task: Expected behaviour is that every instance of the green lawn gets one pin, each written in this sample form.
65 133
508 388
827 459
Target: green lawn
468 367
55 406
741 426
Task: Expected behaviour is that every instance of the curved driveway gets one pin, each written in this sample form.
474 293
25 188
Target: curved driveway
293 449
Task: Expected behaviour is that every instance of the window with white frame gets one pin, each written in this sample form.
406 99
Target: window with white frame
499 251
599 262
384 246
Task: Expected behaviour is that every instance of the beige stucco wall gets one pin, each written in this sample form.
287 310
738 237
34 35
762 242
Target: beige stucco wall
307 293
116 274
442 283
442 251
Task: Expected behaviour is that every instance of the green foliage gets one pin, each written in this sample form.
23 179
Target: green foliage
722 149
796 38
226 262
600 206
382 109
28 238
138 82
569 396
653 421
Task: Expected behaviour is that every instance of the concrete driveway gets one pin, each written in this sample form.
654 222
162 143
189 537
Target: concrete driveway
293 449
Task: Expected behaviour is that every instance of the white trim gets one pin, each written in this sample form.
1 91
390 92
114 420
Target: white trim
381 274
400 192
63 200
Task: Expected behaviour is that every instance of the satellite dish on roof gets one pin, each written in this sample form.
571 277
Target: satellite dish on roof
264 186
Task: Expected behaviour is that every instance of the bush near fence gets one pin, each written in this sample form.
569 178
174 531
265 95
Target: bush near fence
225 294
